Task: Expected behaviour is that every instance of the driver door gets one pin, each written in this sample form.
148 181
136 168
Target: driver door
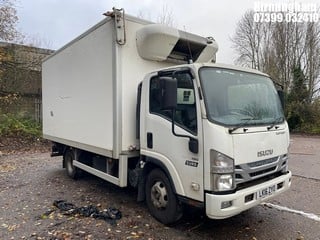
184 166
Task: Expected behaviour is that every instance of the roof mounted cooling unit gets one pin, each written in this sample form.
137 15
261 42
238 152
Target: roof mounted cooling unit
162 43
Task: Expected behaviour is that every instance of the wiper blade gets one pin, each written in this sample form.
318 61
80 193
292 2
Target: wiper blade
275 122
231 130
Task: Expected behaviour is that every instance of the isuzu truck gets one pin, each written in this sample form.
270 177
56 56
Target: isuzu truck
145 105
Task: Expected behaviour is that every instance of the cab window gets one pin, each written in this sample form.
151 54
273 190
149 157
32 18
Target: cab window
185 114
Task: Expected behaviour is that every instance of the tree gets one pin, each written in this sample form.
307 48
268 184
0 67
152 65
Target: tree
20 66
8 31
8 21
278 48
247 41
298 110
312 59
164 17
299 91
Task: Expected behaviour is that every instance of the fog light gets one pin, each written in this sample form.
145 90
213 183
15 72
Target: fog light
226 204
249 198
280 185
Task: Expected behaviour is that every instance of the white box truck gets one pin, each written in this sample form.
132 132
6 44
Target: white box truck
146 105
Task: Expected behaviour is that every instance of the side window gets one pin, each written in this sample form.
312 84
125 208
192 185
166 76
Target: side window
185 114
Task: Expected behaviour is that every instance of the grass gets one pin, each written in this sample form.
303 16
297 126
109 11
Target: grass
13 125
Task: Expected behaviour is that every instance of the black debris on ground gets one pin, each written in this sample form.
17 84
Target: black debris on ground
110 215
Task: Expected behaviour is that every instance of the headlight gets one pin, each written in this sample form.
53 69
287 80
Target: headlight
222 171
222 182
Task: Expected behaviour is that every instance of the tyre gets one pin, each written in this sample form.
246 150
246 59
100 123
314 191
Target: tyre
72 171
162 203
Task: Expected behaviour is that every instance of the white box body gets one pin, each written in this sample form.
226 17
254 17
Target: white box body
90 90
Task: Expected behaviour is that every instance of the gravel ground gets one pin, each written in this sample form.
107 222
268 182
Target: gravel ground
30 181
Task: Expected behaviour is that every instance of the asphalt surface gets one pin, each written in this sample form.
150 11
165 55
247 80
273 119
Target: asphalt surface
292 215
30 183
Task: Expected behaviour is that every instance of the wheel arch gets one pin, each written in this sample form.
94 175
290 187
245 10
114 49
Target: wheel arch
168 169
162 201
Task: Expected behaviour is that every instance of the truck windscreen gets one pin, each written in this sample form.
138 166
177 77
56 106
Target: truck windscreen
236 98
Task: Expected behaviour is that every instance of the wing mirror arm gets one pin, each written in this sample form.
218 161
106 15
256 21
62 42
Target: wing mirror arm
193 143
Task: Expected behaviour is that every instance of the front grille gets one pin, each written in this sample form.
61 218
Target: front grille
244 185
259 173
251 171
263 162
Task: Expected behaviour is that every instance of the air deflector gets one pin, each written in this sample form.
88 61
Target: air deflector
158 42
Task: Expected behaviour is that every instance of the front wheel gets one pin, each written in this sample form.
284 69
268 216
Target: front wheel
162 203
72 171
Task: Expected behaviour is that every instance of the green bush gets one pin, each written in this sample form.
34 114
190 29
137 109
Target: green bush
11 125
304 117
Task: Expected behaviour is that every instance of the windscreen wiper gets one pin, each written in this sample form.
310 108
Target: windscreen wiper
274 123
231 130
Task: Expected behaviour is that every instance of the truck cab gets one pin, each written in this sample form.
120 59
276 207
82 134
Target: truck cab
218 134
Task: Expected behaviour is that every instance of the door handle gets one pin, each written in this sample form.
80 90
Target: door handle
149 140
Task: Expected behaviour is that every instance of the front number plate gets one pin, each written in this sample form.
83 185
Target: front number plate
266 192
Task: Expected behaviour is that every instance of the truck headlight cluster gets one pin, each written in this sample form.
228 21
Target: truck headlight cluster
222 171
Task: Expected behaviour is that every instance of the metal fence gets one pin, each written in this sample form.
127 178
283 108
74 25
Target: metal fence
28 106
38 110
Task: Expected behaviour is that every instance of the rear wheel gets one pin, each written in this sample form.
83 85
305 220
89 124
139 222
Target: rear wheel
72 171
162 203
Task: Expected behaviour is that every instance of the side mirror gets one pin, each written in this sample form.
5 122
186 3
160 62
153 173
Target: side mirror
193 145
168 93
281 96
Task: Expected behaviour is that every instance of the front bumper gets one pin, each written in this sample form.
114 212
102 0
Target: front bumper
243 199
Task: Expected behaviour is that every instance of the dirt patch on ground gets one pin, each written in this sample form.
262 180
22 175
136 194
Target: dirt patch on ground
21 143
